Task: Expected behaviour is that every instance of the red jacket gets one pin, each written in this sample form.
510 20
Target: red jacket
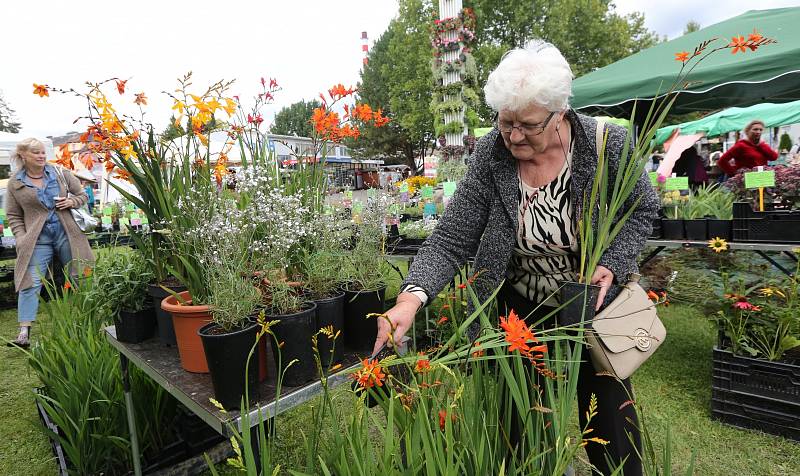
746 155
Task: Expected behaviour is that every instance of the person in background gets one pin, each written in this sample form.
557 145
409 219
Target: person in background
690 164
748 153
37 207
87 182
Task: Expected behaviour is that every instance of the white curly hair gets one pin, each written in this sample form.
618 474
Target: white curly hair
536 74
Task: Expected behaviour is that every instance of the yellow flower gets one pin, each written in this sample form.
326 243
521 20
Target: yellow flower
230 106
769 292
179 106
718 244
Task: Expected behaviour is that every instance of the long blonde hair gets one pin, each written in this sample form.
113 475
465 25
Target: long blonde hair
25 145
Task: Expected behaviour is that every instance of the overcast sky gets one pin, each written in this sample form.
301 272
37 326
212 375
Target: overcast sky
307 45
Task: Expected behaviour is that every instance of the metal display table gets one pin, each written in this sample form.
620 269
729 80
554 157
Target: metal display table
162 364
760 249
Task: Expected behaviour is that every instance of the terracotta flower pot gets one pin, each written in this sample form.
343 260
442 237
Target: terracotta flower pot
187 320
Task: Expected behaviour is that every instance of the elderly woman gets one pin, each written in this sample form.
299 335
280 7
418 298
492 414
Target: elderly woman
38 213
516 211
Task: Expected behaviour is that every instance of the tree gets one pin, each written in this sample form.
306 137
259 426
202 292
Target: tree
399 80
295 120
589 33
691 27
8 122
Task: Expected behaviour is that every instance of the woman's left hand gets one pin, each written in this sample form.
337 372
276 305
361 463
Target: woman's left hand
602 277
64 203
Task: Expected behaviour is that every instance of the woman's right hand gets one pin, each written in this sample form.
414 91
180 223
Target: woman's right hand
397 320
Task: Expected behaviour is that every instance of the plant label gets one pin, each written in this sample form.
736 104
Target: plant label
427 191
348 194
677 183
429 210
449 189
8 232
653 178
131 207
135 216
759 179
136 222
108 211
404 188
145 221
106 220
371 193
404 197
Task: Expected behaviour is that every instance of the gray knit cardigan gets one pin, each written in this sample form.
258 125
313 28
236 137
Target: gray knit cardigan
481 218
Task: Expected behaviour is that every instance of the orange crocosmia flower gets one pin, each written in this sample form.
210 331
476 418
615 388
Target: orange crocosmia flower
363 112
141 99
441 320
339 91
683 56
755 36
109 165
442 419
121 86
370 374
423 365
379 120
738 44
518 334
67 286
652 295
41 90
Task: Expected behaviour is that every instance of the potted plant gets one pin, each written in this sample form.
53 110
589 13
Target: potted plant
228 339
672 223
365 288
134 317
295 316
415 233
717 204
695 224
321 279
756 363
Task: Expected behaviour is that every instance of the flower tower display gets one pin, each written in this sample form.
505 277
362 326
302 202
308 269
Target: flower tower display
455 76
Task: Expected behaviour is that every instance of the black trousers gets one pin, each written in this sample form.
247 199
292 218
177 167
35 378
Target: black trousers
611 423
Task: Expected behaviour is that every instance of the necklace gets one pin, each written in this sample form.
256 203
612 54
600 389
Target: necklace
31 176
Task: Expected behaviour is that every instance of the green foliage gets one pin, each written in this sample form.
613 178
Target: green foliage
691 27
398 79
231 297
590 33
121 281
453 127
8 122
295 120
173 131
713 201
80 373
785 143
452 170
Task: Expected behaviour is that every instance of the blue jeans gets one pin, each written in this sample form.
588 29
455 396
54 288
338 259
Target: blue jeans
46 246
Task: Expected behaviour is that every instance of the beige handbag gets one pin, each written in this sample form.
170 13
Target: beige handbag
628 330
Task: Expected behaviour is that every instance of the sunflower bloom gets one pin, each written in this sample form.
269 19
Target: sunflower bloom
718 244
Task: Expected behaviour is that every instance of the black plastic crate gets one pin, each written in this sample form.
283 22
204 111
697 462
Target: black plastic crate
776 226
776 380
752 412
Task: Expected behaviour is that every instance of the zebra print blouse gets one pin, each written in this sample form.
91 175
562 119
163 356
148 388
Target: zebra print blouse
546 251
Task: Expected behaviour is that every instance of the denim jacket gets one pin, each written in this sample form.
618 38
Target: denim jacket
52 227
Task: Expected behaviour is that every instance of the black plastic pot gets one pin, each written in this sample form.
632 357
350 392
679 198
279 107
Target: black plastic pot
672 229
293 333
720 229
656 233
359 331
696 230
579 300
135 326
330 312
412 241
166 331
226 355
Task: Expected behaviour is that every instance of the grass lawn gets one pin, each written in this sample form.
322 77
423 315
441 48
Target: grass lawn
674 387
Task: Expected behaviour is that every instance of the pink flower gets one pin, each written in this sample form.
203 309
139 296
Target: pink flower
745 306
662 178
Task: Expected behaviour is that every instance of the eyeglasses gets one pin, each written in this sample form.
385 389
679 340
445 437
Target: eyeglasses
525 129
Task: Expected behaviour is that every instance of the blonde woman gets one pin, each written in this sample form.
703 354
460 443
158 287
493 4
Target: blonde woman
38 213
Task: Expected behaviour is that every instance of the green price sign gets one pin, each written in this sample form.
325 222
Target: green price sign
131 207
8 232
677 183
653 178
123 222
144 221
348 194
135 216
449 189
427 191
759 179
106 219
429 210
404 187
107 211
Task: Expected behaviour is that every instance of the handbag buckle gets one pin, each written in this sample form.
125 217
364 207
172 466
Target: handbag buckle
642 339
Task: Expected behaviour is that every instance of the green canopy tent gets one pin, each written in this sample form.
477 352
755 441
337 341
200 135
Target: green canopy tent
770 74
735 118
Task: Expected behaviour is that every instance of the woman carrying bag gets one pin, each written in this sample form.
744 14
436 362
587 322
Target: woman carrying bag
38 203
